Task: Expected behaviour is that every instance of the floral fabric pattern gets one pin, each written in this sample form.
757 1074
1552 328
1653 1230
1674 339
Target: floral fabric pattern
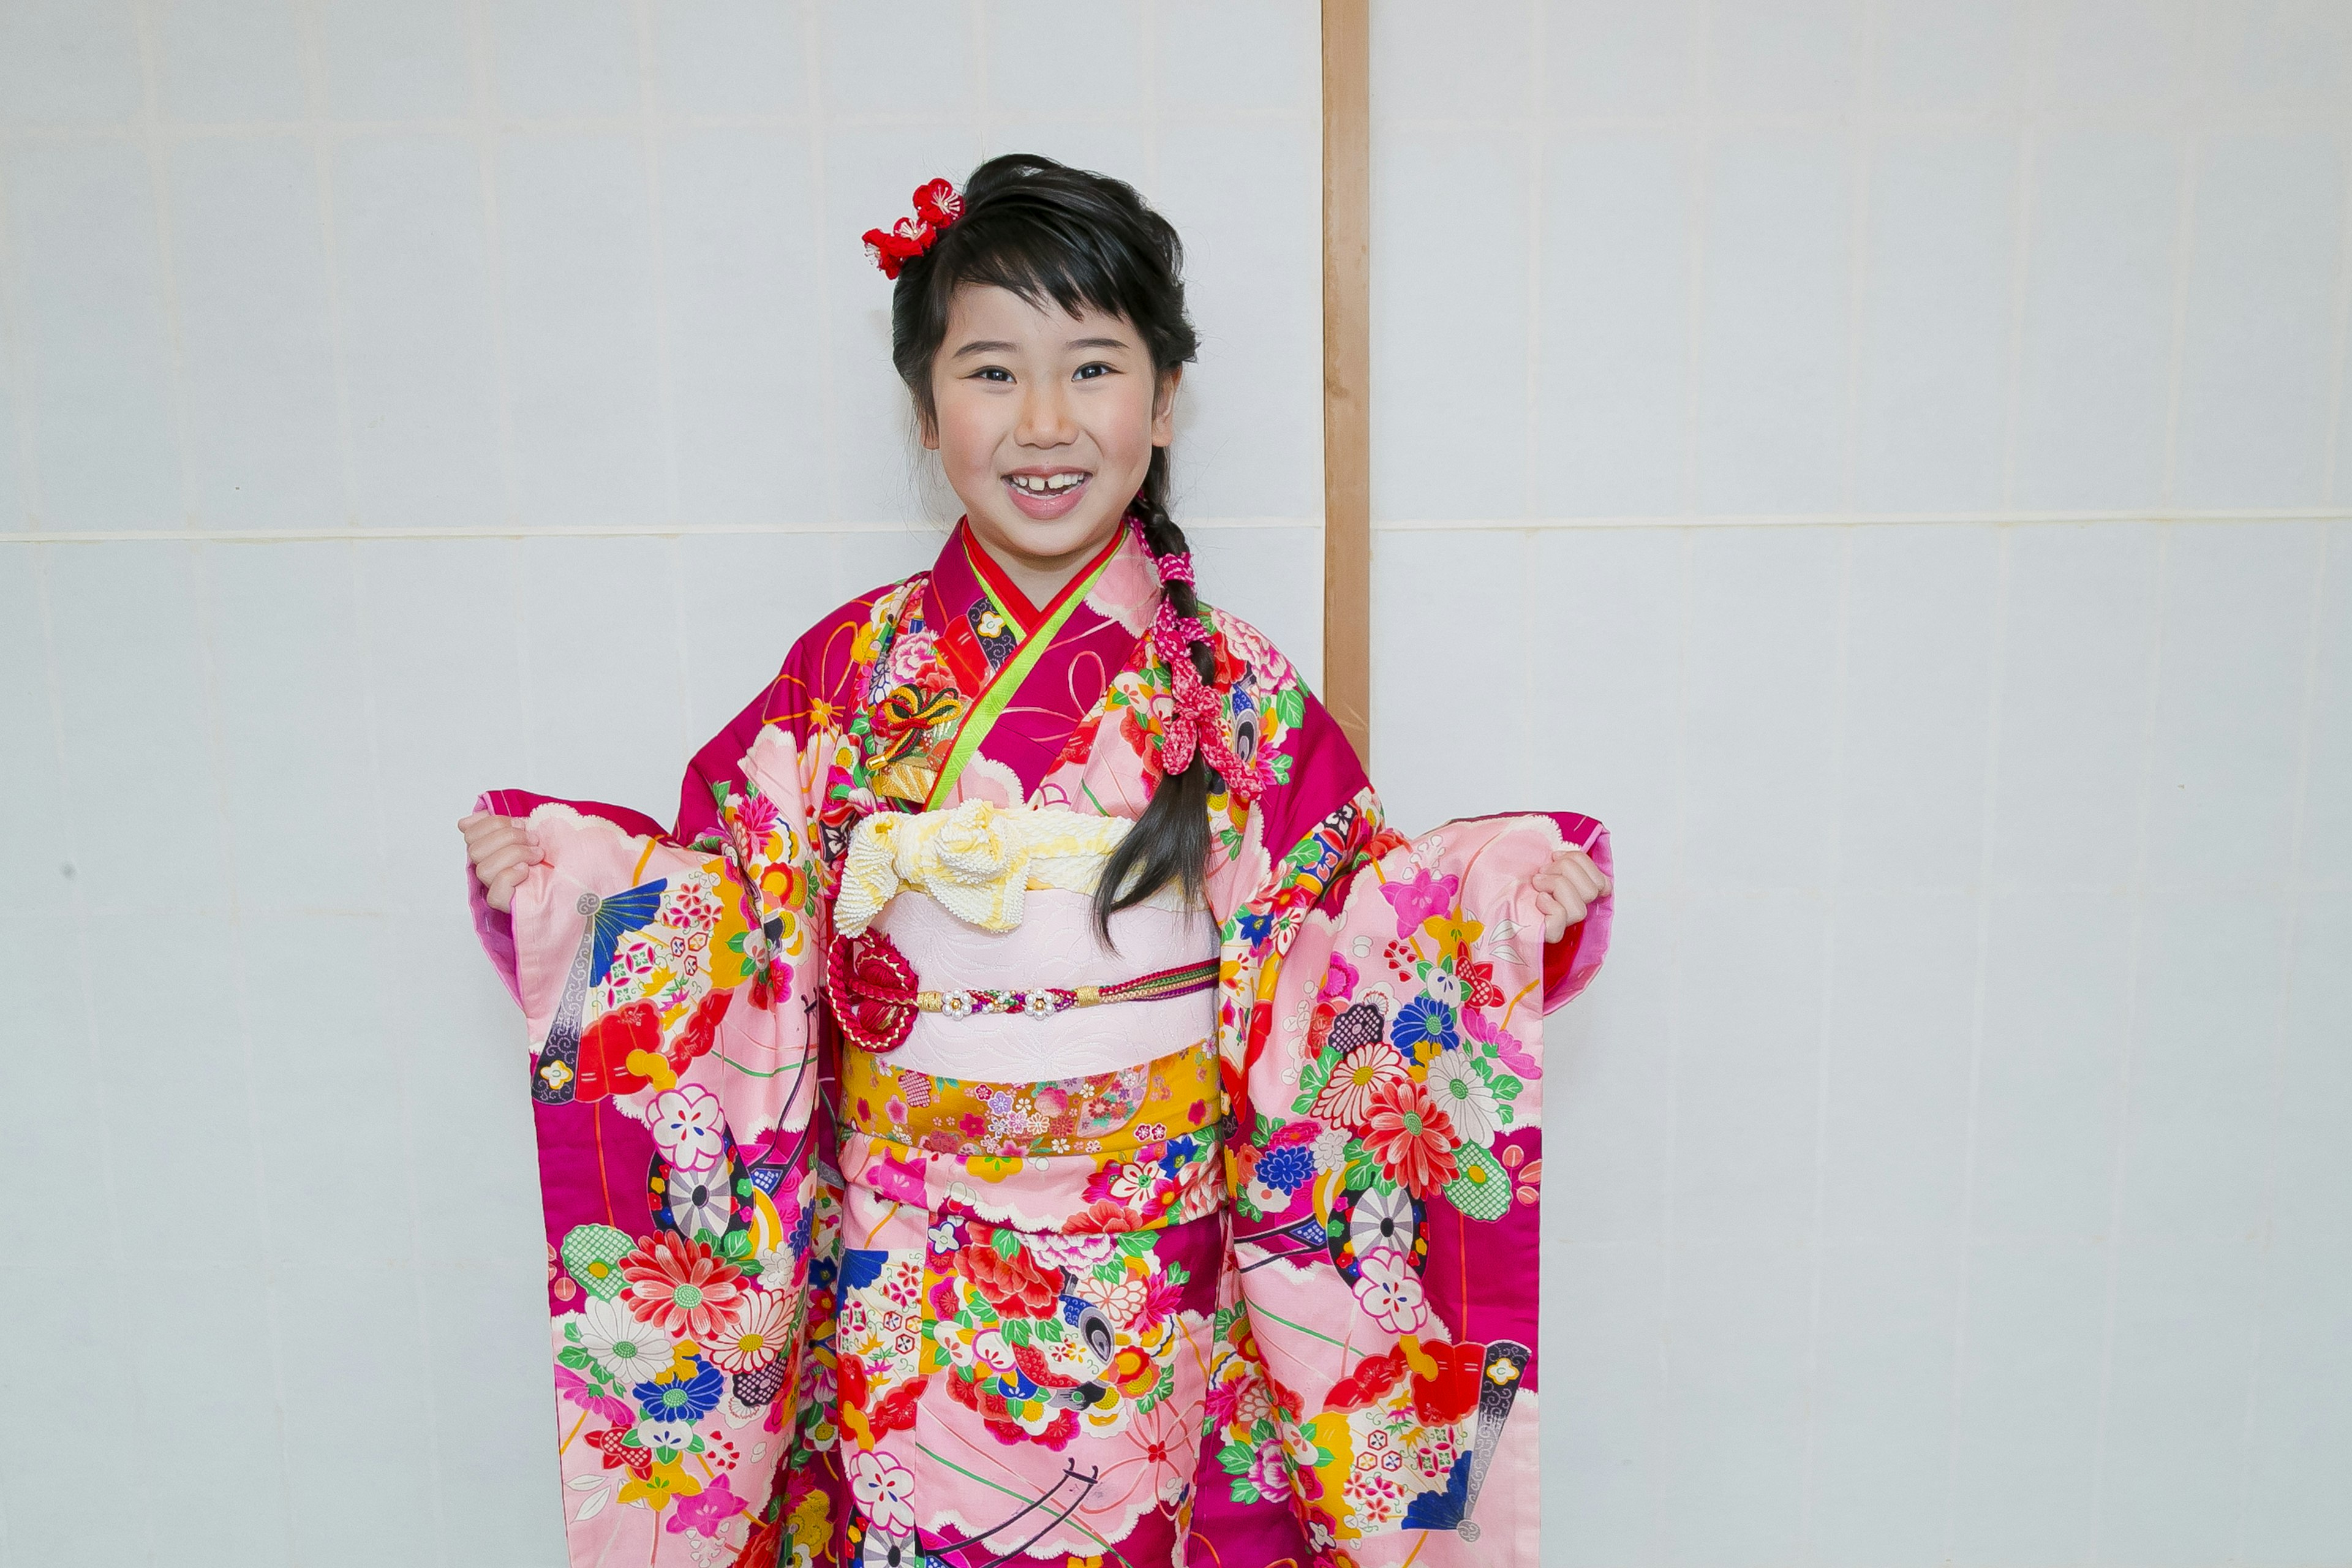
807 1307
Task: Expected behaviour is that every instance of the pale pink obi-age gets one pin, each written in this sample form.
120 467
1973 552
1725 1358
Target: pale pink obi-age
966 947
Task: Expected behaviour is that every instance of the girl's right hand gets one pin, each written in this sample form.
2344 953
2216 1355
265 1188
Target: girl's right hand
503 852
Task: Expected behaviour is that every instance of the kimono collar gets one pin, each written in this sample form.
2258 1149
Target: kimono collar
965 571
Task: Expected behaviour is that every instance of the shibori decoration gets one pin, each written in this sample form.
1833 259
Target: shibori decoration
1193 726
937 203
876 996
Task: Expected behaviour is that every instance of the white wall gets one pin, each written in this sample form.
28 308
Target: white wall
1894 461
1956 1162
397 398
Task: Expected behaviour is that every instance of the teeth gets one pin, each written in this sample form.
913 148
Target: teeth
1047 484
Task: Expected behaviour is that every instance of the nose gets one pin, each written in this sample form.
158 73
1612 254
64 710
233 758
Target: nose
1045 416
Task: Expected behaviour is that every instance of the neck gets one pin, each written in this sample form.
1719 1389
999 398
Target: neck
1041 578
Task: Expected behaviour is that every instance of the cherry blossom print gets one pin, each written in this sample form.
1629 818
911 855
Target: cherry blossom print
885 1490
1389 1290
680 1286
689 1129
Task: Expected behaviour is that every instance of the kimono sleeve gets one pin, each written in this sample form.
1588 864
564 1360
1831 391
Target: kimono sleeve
668 992
1386 1168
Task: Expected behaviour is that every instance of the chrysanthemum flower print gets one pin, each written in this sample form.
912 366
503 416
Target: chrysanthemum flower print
630 1350
689 1128
1347 1096
885 1490
1389 1292
1425 1020
756 1336
681 1287
688 1396
1412 1138
1461 1093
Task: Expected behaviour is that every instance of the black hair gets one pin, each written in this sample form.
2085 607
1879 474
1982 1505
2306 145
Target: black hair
1044 230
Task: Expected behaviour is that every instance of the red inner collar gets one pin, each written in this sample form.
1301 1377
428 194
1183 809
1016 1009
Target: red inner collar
1008 596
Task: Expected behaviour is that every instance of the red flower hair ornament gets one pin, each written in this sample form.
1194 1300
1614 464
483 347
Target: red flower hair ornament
936 205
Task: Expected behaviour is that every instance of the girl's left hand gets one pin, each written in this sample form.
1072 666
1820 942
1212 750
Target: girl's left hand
1565 888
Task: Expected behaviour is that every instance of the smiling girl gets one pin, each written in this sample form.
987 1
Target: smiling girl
1031 1107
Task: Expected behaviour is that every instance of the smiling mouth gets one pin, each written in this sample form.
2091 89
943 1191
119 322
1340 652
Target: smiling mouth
1043 497
1045 484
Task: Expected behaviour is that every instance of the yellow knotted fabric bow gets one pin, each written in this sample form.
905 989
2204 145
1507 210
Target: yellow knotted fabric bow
978 861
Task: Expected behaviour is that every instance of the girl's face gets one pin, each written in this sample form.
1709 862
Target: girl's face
1044 421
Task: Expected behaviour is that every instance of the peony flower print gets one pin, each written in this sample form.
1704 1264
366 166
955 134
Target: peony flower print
885 1490
775 1269
1389 1292
681 1287
1014 1285
632 1351
1347 1096
1462 1093
690 1128
1413 1139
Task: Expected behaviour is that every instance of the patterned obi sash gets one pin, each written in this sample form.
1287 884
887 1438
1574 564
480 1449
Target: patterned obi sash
1107 1115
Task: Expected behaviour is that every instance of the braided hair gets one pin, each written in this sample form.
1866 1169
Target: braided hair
1044 230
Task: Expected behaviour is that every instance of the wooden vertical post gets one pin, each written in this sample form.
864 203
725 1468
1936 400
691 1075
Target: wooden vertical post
1346 369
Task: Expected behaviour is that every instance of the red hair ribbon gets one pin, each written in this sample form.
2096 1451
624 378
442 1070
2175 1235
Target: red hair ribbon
936 205
1195 725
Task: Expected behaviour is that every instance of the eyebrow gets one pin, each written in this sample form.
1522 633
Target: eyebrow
999 346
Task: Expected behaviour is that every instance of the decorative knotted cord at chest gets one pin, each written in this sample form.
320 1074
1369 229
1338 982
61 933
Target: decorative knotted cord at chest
876 996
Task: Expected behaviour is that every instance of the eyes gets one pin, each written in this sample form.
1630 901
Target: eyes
1093 370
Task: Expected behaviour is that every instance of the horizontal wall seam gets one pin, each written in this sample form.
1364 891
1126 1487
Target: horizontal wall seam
1401 525
1858 520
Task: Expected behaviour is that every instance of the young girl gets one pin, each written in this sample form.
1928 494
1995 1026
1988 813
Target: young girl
1030 1107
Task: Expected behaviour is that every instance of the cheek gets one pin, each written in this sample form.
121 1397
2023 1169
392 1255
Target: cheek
1124 434
968 433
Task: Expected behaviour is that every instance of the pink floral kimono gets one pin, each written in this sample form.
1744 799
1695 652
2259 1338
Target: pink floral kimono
893 1218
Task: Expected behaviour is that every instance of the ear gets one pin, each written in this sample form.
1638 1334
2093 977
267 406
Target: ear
927 425
1163 407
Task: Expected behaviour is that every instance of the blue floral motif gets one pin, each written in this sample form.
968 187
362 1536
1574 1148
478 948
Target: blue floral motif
1425 1019
1282 1169
688 1399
